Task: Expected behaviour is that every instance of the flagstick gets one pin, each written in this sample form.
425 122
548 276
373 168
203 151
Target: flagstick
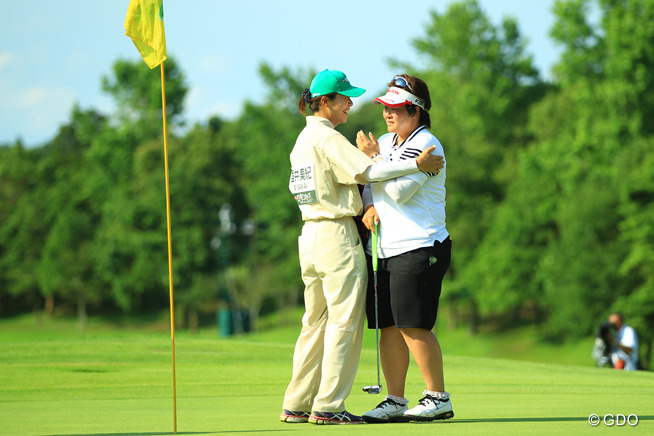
170 251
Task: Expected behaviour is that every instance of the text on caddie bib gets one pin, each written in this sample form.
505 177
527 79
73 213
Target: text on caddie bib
302 183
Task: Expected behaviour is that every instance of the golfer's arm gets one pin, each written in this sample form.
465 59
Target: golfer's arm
389 170
366 197
402 189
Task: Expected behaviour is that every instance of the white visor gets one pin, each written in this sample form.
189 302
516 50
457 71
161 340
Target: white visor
395 97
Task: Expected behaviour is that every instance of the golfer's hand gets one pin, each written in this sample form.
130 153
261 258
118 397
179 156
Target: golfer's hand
370 217
369 146
428 162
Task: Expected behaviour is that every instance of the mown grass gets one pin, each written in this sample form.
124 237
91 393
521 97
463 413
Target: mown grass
55 381
521 343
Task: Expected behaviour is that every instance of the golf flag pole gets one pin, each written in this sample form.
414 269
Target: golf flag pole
144 25
170 248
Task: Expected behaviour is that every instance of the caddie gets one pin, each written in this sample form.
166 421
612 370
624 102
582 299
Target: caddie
325 171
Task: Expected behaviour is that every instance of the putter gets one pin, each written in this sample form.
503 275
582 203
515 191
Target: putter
378 388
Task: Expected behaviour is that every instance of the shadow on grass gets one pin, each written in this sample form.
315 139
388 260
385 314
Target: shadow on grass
152 433
554 419
449 421
159 433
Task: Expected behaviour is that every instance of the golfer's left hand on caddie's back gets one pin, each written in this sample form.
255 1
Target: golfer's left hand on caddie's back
430 163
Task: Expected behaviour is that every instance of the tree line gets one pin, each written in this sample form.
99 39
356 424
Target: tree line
550 184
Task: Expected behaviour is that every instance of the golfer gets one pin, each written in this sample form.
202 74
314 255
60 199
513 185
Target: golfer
326 169
414 253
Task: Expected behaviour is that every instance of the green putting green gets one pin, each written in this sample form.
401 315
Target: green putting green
117 382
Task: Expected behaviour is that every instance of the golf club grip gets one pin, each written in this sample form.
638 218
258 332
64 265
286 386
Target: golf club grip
375 238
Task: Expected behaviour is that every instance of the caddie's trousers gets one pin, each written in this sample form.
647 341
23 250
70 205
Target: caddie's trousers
327 351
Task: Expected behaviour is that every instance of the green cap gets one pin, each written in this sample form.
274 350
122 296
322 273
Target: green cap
329 81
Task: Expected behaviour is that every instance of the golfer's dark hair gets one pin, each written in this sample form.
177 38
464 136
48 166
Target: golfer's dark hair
314 103
420 90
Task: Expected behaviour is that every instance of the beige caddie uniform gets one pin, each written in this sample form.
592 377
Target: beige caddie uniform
325 171
332 260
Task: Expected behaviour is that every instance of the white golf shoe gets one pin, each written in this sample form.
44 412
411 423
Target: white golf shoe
430 408
388 410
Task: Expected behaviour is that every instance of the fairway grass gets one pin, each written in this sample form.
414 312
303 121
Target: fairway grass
120 383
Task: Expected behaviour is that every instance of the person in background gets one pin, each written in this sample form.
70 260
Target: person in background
602 347
325 171
624 354
414 253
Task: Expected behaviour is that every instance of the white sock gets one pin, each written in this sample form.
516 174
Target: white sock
397 399
437 395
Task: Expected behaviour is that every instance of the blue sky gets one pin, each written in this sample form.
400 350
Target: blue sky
53 54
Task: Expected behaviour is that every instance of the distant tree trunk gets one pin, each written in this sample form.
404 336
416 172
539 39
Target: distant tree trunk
254 316
38 310
193 320
81 314
539 315
49 305
286 301
647 360
474 317
453 312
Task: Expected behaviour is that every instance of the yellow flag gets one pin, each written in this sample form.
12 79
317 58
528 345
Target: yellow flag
144 24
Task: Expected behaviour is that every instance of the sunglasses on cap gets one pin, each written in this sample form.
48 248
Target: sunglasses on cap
402 83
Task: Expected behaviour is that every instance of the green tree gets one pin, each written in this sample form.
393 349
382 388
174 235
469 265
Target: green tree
207 177
65 267
576 201
603 67
482 83
22 225
637 232
263 138
128 182
137 91
38 200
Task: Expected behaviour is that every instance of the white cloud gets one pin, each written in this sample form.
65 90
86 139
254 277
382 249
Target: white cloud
43 97
214 64
34 114
202 103
6 58
223 109
194 97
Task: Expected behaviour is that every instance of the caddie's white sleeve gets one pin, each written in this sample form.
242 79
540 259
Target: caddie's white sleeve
402 189
390 170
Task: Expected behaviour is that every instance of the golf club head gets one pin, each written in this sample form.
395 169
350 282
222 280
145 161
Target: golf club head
373 389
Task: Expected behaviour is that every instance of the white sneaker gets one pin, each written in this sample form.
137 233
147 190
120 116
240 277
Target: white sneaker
388 410
430 408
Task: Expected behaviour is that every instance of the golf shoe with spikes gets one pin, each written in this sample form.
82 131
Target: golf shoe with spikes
388 410
344 417
430 408
294 416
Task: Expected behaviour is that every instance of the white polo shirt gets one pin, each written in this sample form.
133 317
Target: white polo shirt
420 220
627 337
